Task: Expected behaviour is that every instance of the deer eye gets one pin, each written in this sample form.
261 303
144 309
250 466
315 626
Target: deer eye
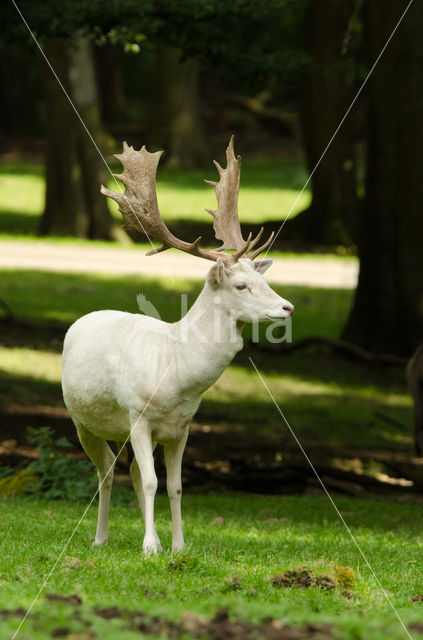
240 287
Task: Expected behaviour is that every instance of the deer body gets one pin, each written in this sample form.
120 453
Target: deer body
127 376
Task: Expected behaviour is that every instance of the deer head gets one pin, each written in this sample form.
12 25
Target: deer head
242 290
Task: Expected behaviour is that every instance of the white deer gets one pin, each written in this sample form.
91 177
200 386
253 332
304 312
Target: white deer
132 377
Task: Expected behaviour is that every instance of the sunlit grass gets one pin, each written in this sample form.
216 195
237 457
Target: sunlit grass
22 189
270 191
228 566
31 363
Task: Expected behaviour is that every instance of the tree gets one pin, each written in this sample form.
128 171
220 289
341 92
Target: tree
327 92
175 108
74 169
387 313
249 41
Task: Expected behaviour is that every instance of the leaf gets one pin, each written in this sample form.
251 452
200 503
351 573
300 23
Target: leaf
63 442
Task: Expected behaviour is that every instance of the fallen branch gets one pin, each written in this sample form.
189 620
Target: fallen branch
390 420
257 106
347 348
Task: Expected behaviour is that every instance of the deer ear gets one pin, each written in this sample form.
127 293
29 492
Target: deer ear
217 274
262 265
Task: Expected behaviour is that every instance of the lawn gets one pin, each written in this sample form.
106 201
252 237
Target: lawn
286 558
269 190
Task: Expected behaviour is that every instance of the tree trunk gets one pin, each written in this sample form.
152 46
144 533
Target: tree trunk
74 169
387 314
327 93
109 83
176 109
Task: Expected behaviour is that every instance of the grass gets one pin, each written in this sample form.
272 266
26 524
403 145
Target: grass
326 398
269 190
223 566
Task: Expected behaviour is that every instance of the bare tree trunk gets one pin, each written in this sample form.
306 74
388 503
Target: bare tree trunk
176 109
74 169
327 93
387 314
415 381
109 82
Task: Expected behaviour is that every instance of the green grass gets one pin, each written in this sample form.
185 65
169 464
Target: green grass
269 190
228 566
326 398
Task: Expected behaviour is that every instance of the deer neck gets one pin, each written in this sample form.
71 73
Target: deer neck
210 337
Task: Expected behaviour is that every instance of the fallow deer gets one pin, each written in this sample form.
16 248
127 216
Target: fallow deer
133 377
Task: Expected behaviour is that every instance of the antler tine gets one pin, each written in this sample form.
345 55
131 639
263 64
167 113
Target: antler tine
243 250
256 239
226 222
262 248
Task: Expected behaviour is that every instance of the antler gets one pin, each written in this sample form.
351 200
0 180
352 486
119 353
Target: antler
139 208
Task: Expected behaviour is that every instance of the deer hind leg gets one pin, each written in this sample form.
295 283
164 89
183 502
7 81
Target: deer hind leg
173 459
143 451
136 481
102 456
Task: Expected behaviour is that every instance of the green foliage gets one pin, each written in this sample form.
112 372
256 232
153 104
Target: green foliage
250 39
59 477
18 483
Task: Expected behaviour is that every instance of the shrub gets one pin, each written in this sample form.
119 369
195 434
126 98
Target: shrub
58 475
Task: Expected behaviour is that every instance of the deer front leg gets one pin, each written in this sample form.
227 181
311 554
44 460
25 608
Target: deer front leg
143 451
173 459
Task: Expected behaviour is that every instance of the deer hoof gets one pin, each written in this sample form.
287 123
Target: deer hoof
151 547
100 543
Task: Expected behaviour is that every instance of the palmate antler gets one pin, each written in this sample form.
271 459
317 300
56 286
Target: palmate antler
140 211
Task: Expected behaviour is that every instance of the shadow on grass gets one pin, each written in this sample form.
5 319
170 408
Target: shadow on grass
334 421
346 410
15 224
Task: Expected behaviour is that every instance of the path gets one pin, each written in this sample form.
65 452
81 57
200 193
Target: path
324 272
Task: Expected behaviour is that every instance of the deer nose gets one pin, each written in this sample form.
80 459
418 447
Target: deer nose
289 308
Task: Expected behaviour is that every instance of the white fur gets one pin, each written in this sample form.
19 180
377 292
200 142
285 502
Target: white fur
128 375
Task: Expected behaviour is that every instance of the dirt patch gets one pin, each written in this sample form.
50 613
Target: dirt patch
416 626
12 613
220 627
303 579
108 613
73 600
